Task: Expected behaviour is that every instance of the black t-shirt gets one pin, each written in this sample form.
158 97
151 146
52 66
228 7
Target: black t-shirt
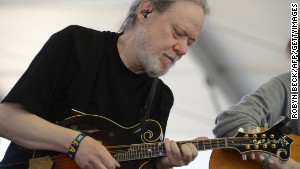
81 68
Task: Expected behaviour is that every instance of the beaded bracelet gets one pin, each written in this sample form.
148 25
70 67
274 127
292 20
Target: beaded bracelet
75 145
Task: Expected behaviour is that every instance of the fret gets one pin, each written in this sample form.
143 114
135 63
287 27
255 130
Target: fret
214 143
153 150
156 149
149 150
163 151
159 149
116 157
207 144
146 150
131 153
121 157
126 156
139 154
142 148
140 151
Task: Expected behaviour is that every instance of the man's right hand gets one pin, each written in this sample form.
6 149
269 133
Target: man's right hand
93 155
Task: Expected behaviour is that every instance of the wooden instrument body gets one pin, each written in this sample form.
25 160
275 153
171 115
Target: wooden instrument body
232 159
134 146
116 138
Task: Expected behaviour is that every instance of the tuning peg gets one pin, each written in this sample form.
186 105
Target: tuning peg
252 156
244 157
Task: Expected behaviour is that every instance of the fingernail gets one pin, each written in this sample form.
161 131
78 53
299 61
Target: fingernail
261 157
241 130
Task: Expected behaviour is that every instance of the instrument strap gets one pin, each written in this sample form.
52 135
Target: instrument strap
146 109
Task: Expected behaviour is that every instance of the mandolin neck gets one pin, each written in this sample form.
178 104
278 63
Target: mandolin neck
152 150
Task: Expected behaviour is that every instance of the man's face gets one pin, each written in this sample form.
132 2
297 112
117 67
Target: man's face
168 35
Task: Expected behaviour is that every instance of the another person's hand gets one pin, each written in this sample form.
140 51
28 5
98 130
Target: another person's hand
178 156
269 162
93 155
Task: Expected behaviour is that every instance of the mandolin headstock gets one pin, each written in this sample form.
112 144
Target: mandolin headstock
272 141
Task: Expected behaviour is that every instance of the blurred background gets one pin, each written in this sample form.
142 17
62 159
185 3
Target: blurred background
241 46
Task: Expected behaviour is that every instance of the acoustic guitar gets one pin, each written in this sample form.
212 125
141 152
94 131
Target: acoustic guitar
134 146
232 159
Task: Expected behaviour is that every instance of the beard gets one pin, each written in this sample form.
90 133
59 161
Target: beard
155 65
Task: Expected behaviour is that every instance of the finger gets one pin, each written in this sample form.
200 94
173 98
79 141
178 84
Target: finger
111 158
109 161
176 152
189 152
172 152
186 153
100 166
201 138
115 163
241 130
193 150
168 148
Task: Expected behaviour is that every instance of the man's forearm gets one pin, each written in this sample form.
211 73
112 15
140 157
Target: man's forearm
31 131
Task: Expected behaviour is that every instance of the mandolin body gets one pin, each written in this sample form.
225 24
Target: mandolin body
111 135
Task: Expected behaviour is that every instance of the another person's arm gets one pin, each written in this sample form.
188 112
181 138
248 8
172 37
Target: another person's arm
262 107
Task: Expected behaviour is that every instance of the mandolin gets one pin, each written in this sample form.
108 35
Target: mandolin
222 159
134 146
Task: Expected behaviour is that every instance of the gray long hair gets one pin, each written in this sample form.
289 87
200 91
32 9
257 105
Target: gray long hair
158 5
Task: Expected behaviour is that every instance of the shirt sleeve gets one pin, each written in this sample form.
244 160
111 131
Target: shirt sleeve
254 110
38 86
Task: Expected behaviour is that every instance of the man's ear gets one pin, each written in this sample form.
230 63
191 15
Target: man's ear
144 10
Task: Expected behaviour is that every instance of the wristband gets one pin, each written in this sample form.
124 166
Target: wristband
75 145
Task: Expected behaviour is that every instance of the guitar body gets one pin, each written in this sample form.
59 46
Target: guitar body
112 135
232 159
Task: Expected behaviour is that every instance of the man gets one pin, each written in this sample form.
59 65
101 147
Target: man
268 104
102 73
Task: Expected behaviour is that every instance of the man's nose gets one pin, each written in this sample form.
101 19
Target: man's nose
181 47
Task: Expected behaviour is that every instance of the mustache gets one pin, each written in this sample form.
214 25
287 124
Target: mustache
171 55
